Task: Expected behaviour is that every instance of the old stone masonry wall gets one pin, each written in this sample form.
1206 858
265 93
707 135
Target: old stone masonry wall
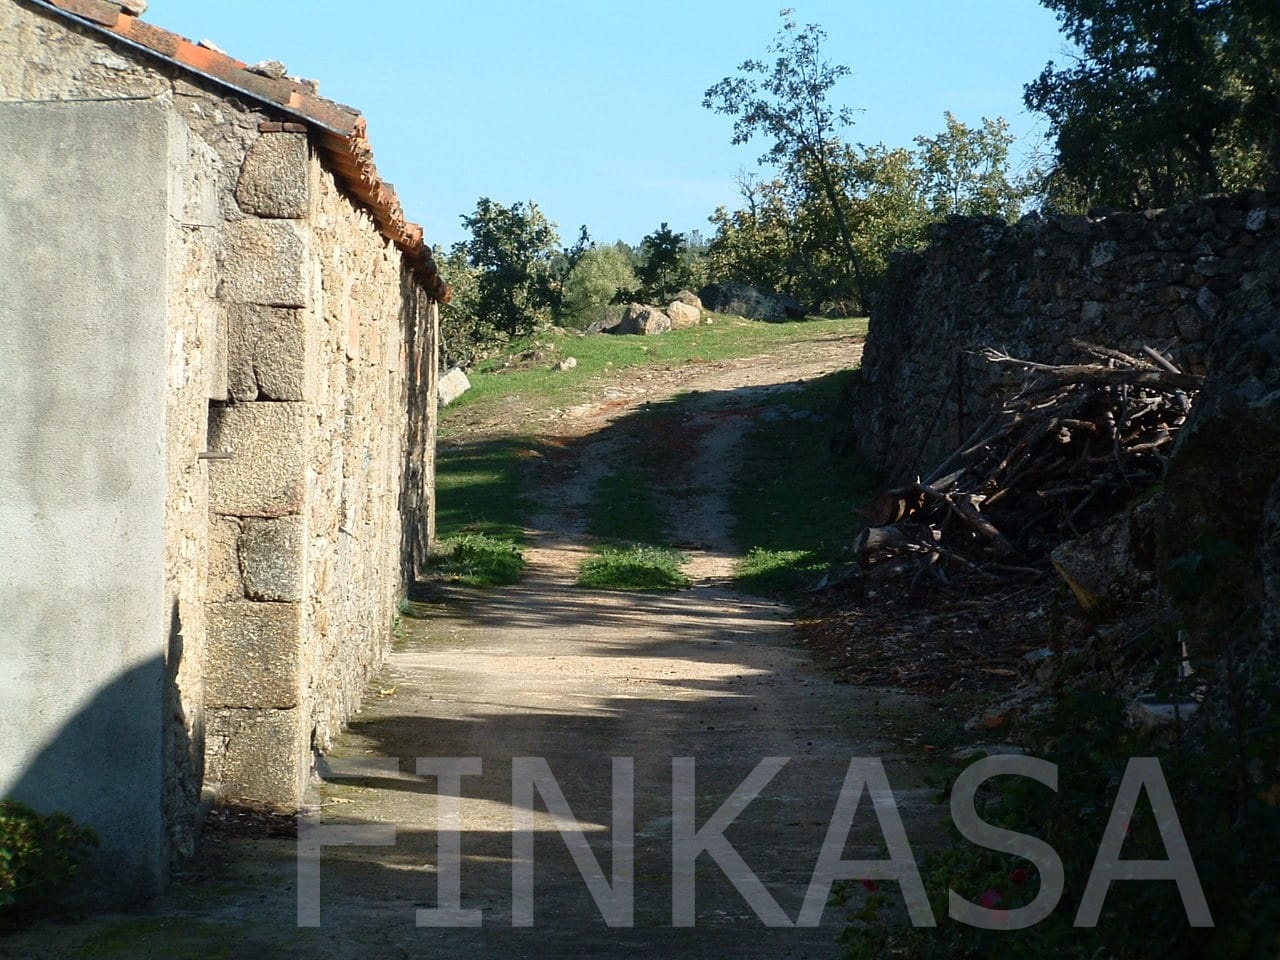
298 427
307 535
1160 277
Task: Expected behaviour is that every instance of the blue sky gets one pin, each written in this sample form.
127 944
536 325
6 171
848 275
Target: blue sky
592 108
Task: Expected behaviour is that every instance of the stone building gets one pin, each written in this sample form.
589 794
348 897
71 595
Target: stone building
218 357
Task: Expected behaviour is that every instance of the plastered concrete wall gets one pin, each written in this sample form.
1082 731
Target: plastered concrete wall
83 485
1161 277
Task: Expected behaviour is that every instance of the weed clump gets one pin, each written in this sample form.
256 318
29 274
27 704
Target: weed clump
636 567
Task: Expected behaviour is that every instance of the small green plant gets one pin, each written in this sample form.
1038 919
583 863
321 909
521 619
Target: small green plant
39 854
770 572
479 560
637 567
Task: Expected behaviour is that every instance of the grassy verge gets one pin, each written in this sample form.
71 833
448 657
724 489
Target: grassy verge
637 567
625 507
794 502
537 386
481 487
482 509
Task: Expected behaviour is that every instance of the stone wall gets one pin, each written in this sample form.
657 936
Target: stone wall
309 537
1158 278
299 422
195 344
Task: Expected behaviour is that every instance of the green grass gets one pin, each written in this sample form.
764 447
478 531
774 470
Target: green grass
179 939
479 560
480 487
625 505
599 356
794 503
791 504
637 567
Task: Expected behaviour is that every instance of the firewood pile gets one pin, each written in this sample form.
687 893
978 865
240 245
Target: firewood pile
1070 446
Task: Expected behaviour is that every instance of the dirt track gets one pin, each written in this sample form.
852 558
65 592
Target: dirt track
574 678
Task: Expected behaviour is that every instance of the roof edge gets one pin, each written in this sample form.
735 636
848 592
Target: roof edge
340 132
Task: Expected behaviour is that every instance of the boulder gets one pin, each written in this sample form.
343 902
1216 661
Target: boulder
683 314
754 303
1222 480
606 324
452 385
1113 562
689 297
643 320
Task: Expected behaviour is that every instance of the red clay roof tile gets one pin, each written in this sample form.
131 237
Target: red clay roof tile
340 132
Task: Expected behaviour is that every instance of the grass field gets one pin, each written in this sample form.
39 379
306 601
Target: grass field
531 385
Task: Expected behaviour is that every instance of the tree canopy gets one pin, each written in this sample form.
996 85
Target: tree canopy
787 102
1166 100
822 226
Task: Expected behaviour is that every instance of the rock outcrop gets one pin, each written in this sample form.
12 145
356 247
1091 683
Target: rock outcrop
754 303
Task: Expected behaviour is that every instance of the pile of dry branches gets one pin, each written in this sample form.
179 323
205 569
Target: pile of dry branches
1071 446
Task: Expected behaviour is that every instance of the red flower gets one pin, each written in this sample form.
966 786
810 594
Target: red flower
871 885
990 897
1019 876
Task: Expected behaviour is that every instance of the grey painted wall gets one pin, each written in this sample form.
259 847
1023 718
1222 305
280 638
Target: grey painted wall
83 624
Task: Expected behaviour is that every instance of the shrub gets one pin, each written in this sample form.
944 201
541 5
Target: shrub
39 854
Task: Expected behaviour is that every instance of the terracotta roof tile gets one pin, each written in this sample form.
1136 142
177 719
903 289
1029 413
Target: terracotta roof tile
340 132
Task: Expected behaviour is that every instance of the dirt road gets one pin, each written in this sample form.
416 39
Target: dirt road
645 723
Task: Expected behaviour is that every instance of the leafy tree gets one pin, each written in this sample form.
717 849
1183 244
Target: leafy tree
594 283
462 332
782 237
786 102
755 244
561 270
887 207
1166 100
966 171
512 249
662 266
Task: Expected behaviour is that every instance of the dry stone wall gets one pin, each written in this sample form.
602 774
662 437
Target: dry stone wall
1159 277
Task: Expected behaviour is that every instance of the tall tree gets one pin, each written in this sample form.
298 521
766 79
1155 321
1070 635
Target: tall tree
1166 99
786 102
511 248
592 286
756 244
662 263
561 269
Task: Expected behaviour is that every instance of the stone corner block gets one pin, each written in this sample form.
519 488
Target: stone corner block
270 354
260 758
266 262
266 475
253 655
275 177
272 559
